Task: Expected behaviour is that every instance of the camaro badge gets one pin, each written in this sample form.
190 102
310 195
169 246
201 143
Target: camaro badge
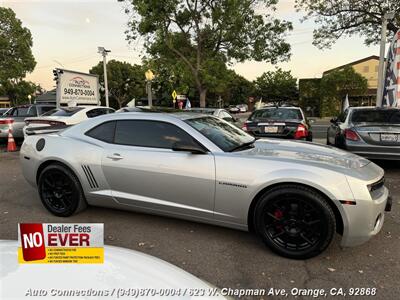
61 243
233 184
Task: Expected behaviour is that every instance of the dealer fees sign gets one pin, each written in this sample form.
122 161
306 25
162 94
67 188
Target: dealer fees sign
60 243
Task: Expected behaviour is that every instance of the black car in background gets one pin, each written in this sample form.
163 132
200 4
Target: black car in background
287 122
368 131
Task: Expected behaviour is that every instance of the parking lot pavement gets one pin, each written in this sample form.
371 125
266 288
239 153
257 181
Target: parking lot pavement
223 257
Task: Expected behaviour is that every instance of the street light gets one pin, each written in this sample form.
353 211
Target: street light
29 98
104 52
149 77
379 94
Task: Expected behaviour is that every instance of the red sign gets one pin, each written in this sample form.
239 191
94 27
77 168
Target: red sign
32 241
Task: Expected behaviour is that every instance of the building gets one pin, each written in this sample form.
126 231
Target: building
5 102
367 67
310 98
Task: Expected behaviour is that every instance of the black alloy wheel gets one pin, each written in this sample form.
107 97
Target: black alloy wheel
295 221
60 191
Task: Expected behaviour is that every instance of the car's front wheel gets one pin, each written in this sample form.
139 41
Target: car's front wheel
60 191
294 221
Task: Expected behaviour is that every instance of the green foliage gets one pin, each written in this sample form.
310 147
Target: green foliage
336 85
338 18
276 86
16 57
203 36
310 96
125 81
18 92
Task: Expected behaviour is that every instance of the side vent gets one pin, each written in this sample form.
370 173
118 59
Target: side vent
90 177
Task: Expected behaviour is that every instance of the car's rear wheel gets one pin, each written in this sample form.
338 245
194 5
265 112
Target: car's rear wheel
295 221
60 191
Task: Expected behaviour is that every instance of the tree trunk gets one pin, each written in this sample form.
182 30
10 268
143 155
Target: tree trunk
203 93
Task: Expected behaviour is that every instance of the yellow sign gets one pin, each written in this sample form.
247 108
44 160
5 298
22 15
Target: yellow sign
174 94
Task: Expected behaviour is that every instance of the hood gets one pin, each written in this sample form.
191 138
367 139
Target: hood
308 153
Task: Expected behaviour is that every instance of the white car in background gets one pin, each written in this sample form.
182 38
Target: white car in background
60 118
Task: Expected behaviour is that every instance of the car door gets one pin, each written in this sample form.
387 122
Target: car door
142 170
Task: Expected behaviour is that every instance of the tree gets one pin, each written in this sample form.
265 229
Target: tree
205 35
276 86
310 95
336 85
237 89
337 18
16 58
125 81
18 92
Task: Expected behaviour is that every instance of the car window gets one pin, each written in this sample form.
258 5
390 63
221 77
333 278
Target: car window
103 132
98 112
221 133
26 111
44 109
388 116
152 134
63 111
277 113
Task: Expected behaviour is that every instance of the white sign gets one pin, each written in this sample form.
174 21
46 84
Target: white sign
77 87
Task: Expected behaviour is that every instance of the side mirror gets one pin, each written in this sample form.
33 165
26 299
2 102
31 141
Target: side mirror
334 120
186 147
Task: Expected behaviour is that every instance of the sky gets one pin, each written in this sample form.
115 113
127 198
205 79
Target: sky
66 34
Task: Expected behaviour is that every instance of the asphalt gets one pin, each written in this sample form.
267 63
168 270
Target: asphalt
226 258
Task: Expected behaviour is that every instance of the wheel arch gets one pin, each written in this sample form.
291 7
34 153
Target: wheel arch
49 162
250 216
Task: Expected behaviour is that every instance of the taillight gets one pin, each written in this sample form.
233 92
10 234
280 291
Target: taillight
301 132
6 121
351 135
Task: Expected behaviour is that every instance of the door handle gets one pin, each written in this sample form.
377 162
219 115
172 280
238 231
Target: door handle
115 156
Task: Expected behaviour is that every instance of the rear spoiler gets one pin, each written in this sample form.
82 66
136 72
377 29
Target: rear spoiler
45 129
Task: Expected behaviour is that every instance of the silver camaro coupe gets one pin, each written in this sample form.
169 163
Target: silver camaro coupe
294 195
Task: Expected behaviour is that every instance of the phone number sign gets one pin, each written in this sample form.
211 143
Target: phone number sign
61 243
78 87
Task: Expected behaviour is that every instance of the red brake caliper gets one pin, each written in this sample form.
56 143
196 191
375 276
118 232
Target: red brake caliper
278 214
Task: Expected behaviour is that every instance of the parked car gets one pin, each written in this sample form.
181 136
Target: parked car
294 195
368 131
134 273
233 109
60 118
242 108
15 118
287 122
217 112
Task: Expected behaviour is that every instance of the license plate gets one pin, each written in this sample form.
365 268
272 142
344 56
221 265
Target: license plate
389 137
271 129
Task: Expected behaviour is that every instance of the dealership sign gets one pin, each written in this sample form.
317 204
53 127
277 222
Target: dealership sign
76 87
60 243
391 92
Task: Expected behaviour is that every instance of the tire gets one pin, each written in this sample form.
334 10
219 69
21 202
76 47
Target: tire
60 191
294 221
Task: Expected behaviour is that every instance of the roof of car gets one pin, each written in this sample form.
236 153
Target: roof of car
371 107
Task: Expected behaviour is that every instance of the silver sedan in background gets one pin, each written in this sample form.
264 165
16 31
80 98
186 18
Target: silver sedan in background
368 131
294 195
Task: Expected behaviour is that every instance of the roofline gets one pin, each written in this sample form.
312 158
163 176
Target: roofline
352 63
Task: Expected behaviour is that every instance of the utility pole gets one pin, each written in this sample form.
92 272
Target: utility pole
104 52
381 68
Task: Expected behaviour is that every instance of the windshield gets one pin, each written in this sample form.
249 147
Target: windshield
221 133
277 113
389 116
63 111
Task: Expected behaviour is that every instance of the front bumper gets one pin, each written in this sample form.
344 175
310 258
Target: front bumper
365 219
